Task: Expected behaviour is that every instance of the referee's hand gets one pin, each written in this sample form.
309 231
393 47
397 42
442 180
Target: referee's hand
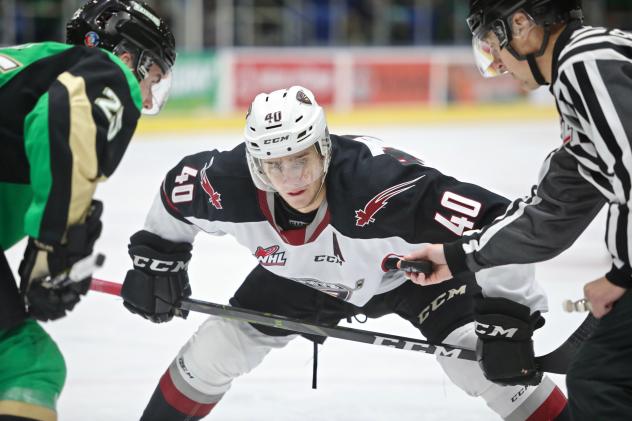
602 294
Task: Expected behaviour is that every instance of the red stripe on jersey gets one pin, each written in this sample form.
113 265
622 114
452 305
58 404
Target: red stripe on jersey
550 408
295 237
180 402
167 200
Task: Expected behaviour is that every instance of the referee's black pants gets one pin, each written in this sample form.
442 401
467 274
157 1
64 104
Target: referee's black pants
599 379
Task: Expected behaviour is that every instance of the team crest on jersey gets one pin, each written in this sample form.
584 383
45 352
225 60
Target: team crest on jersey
366 216
270 256
214 196
340 291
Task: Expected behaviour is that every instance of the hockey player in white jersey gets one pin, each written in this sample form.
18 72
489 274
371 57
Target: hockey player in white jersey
321 213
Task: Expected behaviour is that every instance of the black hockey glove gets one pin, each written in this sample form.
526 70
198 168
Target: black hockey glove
159 280
47 290
505 349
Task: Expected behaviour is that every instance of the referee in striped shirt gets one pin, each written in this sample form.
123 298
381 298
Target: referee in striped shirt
589 70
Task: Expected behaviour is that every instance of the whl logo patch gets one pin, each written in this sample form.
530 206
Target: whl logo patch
366 216
270 256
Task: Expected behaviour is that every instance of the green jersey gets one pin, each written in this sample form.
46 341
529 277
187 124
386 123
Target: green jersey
67 114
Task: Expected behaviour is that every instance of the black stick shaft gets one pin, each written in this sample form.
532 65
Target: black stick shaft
557 361
356 335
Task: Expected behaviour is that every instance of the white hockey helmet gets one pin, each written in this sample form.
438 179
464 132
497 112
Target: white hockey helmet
283 123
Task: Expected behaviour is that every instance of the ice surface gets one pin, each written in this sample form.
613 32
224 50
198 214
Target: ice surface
115 358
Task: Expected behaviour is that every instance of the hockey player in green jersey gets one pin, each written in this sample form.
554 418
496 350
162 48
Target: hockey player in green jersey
67 114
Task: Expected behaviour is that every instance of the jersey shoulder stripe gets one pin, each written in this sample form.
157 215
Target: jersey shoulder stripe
596 44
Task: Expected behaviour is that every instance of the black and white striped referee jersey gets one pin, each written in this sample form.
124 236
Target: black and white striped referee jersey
592 85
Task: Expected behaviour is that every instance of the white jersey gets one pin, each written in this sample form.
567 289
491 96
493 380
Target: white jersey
380 202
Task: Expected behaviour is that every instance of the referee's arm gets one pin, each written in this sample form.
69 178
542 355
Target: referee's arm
535 228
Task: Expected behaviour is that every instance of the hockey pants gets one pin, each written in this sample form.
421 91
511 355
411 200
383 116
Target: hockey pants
222 350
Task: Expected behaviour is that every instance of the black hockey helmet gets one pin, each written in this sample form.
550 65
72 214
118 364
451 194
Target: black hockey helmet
124 25
494 16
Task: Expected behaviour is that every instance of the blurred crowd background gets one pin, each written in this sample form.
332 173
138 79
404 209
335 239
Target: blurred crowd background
352 53
283 23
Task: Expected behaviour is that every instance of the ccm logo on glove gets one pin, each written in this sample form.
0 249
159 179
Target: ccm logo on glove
157 265
491 330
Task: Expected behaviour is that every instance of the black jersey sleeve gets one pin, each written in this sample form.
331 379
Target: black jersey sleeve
186 189
77 133
442 207
393 193
534 228
202 191
446 208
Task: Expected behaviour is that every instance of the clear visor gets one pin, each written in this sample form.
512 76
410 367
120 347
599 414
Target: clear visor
292 173
487 55
159 93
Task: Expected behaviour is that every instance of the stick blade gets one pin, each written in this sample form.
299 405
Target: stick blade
558 361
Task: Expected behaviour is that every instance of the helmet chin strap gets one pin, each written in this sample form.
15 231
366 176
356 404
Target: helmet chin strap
531 58
535 70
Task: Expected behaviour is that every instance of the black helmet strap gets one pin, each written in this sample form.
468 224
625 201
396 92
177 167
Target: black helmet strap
124 26
535 70
531 57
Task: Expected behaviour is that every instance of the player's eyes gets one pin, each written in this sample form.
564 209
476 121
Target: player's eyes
273 166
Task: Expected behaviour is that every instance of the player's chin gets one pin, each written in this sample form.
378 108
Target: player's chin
529 85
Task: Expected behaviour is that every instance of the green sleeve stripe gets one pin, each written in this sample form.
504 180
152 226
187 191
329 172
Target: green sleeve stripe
134 86
37 145
27 54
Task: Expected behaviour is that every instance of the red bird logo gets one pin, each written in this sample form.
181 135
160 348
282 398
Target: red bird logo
214 197
365 216
261 252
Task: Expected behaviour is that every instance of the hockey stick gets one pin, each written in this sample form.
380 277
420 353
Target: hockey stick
554 362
